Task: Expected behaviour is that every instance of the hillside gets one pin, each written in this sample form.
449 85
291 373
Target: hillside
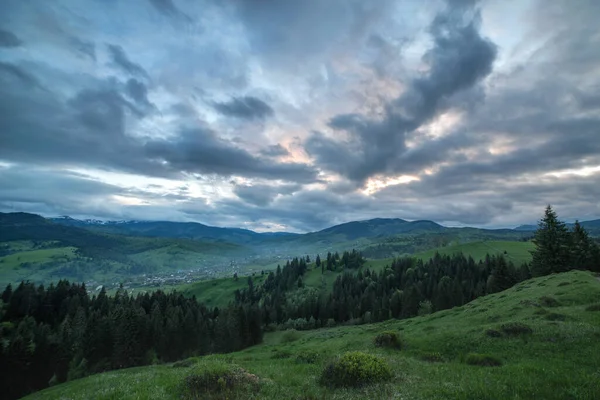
36 249
543 333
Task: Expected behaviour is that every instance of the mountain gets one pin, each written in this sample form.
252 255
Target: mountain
379 227
188 230
593 227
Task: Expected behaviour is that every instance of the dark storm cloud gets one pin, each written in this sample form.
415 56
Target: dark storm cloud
458 60
87 48
246 107
89 129
121 60
202 151
276 150
139 93
8 73
168 8
9 39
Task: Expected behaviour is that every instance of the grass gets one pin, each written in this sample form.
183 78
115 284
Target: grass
218 292
517 252
558 360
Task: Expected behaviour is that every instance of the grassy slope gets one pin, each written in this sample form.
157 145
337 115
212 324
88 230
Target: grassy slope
517 252
558 361
220 291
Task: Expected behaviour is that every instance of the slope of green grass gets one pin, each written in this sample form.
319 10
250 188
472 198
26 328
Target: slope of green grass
517 252
557 359
218 292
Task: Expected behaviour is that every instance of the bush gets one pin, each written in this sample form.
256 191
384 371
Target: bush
389 339
281 354
289 336
483 360
215 380
432 357
355 369
493 333
307 357
556 317
516 329
593 307
548 301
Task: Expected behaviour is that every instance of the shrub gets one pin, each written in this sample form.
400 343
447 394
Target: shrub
215 380
432 357
389 339
556 317
355 369
307 357
564 283
483 360
291 335
593 307
516 329
493 333
548 301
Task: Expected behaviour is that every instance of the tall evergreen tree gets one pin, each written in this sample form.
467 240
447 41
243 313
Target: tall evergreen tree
551 241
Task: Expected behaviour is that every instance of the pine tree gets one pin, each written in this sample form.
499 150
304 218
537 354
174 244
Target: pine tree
551 241
582 248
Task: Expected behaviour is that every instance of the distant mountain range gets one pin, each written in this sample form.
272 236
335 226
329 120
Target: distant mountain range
44 249
377 227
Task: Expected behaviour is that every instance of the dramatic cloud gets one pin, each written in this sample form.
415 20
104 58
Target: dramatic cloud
297 115
459 58
9 39
247 107
121 60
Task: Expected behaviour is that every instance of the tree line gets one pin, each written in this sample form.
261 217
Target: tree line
50 335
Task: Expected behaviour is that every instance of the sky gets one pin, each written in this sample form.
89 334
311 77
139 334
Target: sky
285 115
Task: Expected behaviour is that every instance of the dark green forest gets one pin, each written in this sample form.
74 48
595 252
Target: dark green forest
57 333
50 335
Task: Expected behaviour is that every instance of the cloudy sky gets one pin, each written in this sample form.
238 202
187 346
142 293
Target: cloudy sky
296 115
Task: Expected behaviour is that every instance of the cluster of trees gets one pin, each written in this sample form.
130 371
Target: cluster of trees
559 249
49 335
333 262
402 290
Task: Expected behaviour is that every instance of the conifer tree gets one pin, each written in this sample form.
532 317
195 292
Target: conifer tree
551 239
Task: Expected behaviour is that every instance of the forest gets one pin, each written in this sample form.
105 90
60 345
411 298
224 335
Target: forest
57 333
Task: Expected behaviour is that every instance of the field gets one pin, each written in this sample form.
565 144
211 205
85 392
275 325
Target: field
517 252
558 359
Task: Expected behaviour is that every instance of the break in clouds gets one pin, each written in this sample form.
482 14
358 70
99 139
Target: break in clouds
288 115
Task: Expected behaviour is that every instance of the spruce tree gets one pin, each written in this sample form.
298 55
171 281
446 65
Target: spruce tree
551 241
582 248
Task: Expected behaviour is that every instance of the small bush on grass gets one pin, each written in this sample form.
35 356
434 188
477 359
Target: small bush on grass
548 301
307 357
289 336
556 317
432 357
216 380
355 369
516 329
388 339
483 360
564 283
593 307
494 333
281 355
